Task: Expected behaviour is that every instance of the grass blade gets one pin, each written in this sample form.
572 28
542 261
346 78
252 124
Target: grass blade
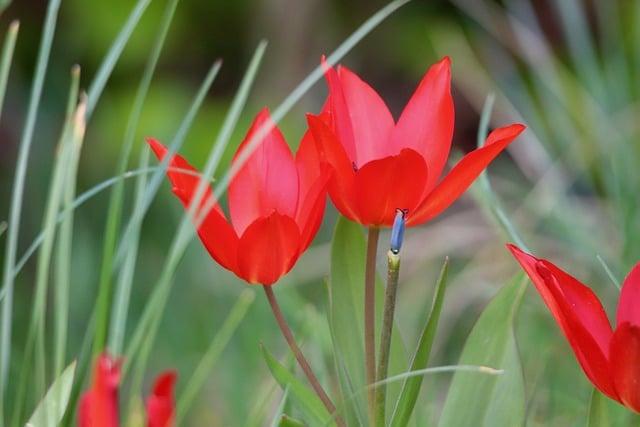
411 386
18 193
7 58
54 404
63 250
218 344
110 60
116 200
309 403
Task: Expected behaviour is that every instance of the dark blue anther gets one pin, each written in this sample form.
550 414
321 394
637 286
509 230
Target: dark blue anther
397 232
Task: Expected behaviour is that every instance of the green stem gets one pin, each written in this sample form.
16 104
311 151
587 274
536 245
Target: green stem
393 270
370 316
302 361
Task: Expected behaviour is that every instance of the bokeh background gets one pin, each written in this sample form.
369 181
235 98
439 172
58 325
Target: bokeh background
569 69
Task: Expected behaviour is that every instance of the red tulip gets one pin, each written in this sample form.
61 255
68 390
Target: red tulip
276 203
99 405
379 165
161 404
609 358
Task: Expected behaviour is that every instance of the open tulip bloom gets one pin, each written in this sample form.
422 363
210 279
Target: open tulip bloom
380 165
609 358
276 204
99 405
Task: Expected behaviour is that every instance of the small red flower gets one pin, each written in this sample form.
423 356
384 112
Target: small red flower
276 204
161 404
609 358
379 165
99 405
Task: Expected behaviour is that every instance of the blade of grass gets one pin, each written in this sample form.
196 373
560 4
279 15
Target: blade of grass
489 200
18 194
110 60
7 57
211 356
116 200
63 250
279 412
72 134
52 407
411 386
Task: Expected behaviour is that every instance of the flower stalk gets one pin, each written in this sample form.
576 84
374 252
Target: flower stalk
302 361
370 315
393 271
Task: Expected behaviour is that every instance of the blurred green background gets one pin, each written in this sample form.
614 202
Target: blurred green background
568 69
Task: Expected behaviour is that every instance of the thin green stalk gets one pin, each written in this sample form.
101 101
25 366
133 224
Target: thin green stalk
115 50
295 349
370 316
218 344
393 271
114 215
63 250
7 58
18 194
72 132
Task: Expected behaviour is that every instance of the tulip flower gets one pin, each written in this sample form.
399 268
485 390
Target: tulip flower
609 357
99 405
380 165
276 204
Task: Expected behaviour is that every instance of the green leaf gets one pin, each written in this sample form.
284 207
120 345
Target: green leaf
490 400
287 421
307 400
411 386
52 407
346 317
604 412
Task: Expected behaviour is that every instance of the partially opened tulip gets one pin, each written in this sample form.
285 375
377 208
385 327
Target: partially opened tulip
609 358
381 165
99 405
276 204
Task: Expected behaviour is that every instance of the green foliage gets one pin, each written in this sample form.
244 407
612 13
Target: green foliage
307 400
411 387
54 403
490 400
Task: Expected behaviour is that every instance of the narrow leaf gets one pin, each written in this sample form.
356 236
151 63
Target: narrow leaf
490 400
309 403
411 386
287 421
52 407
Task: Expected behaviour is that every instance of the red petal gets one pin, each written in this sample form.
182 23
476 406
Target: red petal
382 186
268 249
628 305
341 183
463 174
625 354
426 124
579 314
99 405
267 181
337 106
215 232
308 165
369 116
161 403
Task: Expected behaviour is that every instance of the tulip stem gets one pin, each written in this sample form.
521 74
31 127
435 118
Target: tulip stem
370 317
393 270
302 361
